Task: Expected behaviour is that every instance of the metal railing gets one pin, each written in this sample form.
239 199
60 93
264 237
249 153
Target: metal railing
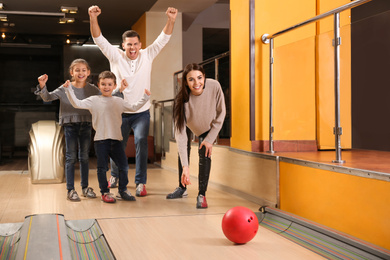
269 38
161 105
205 62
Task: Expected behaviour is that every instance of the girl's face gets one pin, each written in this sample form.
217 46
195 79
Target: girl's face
80 72
195 81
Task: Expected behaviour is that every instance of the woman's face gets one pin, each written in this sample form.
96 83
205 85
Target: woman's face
195 81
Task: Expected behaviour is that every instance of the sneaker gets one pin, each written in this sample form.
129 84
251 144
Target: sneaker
73 196
125 195
113 182
140 190
88 192
201 202
178 193
108 198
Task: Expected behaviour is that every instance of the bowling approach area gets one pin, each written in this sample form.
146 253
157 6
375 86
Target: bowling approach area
35 217
150 228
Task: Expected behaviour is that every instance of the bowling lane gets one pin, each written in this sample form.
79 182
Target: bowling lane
192 237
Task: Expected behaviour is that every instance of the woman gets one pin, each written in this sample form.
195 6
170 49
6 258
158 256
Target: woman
199 107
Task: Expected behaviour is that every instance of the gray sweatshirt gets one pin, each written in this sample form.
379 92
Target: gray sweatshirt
203 113
106 113
69 114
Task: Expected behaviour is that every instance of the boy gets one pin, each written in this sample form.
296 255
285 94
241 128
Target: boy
106 113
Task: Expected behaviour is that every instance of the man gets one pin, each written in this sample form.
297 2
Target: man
135 65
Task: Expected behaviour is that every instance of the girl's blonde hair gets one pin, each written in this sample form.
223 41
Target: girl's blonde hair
75 62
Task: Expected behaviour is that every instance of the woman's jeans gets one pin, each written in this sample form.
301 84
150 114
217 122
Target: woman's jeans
104 150
204 162
77 142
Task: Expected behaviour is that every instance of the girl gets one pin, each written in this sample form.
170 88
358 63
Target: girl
199 107
76 124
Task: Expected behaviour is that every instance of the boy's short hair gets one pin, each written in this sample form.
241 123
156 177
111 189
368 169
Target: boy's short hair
107 75
129 34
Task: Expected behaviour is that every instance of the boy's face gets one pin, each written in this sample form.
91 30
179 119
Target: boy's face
106 86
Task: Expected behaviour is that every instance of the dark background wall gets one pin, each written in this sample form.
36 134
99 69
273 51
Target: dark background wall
370 35
19 69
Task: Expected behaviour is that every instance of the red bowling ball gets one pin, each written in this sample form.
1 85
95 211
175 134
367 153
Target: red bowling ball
240 225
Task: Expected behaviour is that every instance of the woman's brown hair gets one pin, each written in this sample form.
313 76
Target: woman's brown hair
183 96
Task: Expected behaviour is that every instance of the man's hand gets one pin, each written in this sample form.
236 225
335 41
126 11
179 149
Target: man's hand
94 11
171 13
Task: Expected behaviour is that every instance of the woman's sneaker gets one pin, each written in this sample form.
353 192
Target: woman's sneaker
73 196
178 193
125 195
113 182
201 202
88 192
108 198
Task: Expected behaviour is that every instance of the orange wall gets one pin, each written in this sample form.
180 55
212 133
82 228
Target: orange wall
240 74
140 27
293 71
325 77
298 86
351 204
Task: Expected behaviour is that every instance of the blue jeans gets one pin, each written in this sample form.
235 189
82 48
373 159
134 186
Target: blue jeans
140 124
77 141
109 148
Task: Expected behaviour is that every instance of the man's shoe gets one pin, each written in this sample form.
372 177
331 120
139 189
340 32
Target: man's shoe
178 193
140 191
73 196
113 182
88 192
125 195
108 198
201 202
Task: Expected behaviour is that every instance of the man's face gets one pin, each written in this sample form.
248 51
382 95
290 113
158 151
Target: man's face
131 45
106 86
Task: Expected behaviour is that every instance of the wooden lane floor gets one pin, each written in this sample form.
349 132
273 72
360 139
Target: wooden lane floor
152 227
197 236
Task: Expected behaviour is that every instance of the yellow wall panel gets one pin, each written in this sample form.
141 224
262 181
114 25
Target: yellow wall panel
294 91
240 75
325 79
351 204
272 17
140 28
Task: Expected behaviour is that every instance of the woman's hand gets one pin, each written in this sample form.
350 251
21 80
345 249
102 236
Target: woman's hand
209 148
185 177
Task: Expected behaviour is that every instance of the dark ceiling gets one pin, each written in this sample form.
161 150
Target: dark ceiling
37 21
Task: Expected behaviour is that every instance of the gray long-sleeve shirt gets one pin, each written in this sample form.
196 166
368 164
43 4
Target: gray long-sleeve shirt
106 113
203 113
69 114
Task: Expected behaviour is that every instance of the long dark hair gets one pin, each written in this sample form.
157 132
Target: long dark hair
183 96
